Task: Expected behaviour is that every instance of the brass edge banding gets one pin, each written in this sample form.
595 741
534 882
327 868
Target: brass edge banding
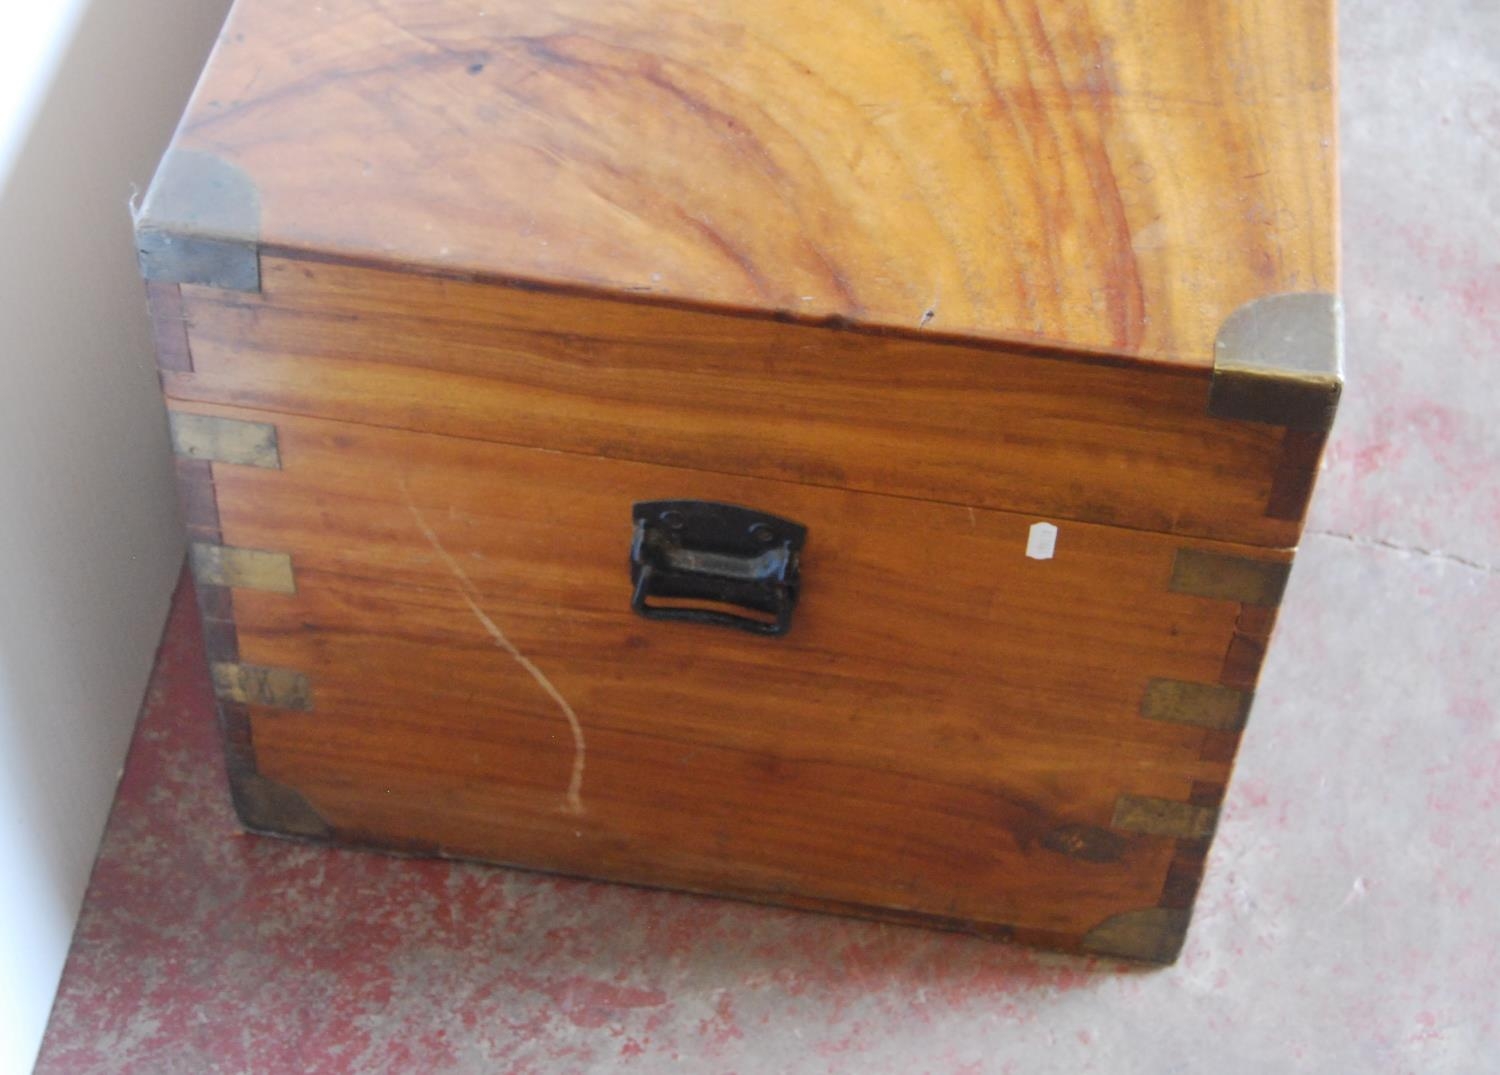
200 224
1280 360
224 440
245 569
1203 705
282 688
1151 934
1163 817
1226 577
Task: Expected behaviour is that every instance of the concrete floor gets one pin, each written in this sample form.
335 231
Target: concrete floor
1348 921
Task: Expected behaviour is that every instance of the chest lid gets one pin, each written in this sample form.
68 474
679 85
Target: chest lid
1092 178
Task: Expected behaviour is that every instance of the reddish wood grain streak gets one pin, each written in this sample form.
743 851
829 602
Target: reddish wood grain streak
1122 289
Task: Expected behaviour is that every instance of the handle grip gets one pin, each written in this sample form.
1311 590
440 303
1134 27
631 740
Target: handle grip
722 553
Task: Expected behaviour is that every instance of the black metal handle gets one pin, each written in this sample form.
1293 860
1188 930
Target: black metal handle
702 551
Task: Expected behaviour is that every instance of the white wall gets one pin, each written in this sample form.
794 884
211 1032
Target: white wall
89 544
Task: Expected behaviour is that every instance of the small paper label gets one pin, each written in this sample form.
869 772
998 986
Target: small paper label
1042 541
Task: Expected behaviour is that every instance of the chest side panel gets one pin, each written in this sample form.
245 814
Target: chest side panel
1126 445
431 647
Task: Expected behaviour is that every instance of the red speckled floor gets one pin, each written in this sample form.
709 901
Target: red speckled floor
1348 921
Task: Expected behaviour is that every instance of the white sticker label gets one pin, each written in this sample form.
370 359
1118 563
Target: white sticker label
1041 542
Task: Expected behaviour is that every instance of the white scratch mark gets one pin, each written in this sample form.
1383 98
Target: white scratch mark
470 595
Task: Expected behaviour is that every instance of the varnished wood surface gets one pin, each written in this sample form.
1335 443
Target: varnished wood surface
943 709
1089 441
1105 177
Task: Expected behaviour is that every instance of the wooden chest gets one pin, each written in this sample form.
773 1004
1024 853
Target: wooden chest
846 455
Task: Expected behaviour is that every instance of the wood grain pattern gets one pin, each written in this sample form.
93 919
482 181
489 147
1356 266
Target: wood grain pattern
1096 442
939 734
1100 177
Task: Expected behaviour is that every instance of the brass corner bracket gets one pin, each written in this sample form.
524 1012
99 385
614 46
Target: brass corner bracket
200 224
1152 935
1280 360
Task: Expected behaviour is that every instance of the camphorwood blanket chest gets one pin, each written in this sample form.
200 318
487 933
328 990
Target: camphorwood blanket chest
843 454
